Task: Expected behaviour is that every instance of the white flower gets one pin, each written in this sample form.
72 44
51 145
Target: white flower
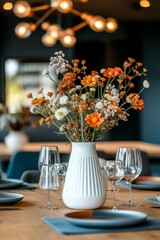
63 129
116 99
45 73
73 90
107 96
78 87
145 84
102 70
63 100
32 109
41 91
58 63
92 89
61 113
83 97
97 76
99 105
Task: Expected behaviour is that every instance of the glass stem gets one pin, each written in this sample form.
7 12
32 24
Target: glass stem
49 202
114 190
129 194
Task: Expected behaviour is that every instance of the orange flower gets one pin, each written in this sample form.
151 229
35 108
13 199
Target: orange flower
89 81
121 94
75 62
83 106
41 121
132 60
119 80
112 72
139 64
50 94
136 102
29 95
67 82
94 119
131 85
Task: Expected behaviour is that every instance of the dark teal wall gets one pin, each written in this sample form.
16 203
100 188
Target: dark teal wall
150 118
137 40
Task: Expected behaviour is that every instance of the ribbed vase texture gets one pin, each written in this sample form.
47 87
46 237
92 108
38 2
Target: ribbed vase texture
84 186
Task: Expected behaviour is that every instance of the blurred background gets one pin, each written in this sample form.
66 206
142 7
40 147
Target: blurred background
135 32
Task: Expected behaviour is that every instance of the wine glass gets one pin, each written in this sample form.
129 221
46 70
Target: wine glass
49 164
45 158
132 161
62 172
114 171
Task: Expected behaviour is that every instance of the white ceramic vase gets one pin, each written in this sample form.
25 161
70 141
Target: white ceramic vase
14 140
84 186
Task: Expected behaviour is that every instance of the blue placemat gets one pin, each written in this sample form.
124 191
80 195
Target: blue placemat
152 200
63 226
26 185
147 185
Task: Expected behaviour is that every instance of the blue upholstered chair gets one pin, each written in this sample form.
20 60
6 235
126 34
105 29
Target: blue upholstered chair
31 176
22 161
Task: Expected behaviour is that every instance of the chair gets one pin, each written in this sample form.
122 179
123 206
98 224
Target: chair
146 165
31 176
20 162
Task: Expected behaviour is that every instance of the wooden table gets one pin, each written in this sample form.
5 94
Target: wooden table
110 147
26 224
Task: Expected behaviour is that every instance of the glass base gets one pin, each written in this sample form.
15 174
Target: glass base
132 204
111 190
48 207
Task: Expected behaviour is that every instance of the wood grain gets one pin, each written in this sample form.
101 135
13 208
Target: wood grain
26 224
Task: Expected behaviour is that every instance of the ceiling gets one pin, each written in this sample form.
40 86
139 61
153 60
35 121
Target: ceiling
122 10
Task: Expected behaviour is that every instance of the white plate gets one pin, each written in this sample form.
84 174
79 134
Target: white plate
106 218
10 198
10 183
153 200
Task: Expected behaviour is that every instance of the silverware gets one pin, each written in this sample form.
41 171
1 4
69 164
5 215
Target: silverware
9 208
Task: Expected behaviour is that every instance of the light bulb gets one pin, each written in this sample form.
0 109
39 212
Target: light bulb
65 6
45 26
97 23
54 3
54 30
22 9
67 38
48 40
8 6
23 30
111 24
144 3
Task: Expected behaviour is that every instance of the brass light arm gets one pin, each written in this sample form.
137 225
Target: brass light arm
44 17
39 8
79 26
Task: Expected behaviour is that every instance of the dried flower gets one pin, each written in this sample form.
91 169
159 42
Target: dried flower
86 106
16 121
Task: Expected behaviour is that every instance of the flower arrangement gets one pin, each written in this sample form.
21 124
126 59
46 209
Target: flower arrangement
15 121
86 106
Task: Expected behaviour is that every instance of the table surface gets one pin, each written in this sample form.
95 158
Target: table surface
26 224
110 147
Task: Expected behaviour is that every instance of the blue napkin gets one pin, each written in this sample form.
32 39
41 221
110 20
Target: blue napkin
63 226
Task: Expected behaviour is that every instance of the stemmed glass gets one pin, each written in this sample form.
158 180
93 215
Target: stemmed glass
49 165
114 172
62 172
132 161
